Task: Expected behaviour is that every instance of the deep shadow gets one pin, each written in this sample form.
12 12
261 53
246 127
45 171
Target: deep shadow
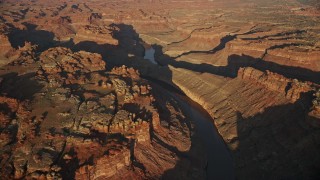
134 162
129 43
275 35
223 41
70 166
43 39
128 39
22 87
276 143
90 46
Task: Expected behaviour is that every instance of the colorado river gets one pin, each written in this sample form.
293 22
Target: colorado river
149 54
220 163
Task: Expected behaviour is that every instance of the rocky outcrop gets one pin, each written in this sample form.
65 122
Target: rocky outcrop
94 123
261 116
314 115
97 34
62 28
5 47
291 89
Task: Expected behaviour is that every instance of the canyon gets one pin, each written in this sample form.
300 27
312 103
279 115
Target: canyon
159 89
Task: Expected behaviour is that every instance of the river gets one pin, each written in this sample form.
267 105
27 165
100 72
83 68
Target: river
220 162
149 54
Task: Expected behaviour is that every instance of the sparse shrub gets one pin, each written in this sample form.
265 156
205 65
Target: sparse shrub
316 101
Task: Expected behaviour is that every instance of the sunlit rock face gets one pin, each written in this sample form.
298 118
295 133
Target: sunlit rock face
111 89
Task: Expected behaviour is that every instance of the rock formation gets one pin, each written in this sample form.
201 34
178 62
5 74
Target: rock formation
82 122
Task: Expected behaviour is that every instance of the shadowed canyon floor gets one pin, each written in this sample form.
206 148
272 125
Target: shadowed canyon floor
159 89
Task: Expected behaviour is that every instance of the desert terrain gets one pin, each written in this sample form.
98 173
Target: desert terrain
159 89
